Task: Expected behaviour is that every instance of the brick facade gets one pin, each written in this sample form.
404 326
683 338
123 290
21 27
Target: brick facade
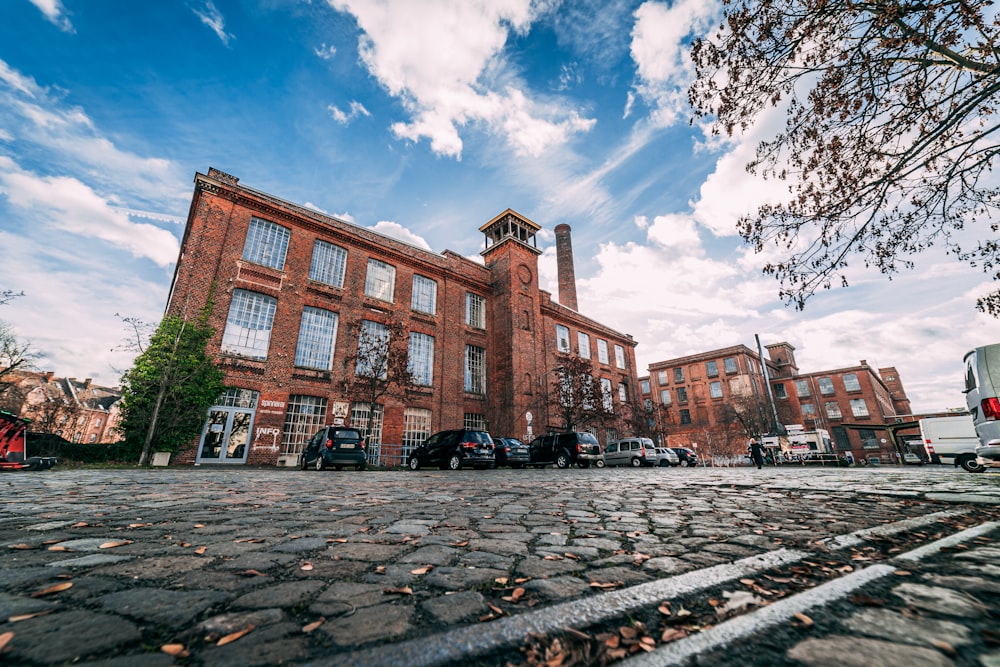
516 334
851 403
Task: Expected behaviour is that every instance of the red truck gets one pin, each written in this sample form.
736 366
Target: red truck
13 446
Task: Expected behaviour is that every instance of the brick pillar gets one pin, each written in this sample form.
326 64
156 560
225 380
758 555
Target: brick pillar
564 264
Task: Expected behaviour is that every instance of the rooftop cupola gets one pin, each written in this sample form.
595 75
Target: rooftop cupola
510 226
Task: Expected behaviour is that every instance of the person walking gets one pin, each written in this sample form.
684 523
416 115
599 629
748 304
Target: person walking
756 452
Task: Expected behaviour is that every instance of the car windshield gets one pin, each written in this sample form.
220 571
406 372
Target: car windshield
478 437
514 442
345 434
588 439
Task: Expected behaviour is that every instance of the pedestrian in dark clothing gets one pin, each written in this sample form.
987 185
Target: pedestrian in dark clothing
756 453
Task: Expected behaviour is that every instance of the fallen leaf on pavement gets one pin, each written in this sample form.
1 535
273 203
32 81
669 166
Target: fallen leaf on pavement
307 567
57 588
176 650
22 545
25 617
80 524
944 647
252 573
422 570
380 569
114 543
606 584
673 634
5 639
803 619
58 547
201 550
230 638
405 590
312 626
665 609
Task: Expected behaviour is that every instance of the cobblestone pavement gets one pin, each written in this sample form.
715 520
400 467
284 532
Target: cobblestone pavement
266 566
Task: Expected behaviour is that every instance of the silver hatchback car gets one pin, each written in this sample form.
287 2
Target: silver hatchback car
982 384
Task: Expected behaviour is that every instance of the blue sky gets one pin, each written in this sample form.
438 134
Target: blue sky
423 120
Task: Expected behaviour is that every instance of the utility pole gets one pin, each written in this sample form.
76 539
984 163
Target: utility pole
776 427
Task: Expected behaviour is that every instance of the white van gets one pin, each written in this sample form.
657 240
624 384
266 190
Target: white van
982 395
951 440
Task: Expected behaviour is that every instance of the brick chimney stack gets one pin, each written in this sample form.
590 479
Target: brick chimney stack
564 266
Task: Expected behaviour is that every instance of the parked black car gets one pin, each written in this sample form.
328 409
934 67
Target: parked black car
687 457
451 450
335 447
565 449
511 452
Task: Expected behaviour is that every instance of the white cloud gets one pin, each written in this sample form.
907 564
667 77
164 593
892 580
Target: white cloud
214 19
344 118
397 231
55 13
660 42
68 205
325 52
463 79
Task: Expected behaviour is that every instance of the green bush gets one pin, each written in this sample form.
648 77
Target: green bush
46 444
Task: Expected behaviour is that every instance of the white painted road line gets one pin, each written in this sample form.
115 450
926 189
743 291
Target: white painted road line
860 536
950 541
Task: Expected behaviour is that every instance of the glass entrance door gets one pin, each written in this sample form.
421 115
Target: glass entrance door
226 436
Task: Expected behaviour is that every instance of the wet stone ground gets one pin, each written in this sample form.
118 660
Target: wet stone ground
261 566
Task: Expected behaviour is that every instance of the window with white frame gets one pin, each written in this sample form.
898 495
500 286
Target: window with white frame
606 394
475 369
779 390
602 351
825 386
474 421
610 434
583 343
682 395
421 358
370 430
373 349
424 295
868 439
329 264
623 392
317 338
808 409
248 325
802 388
859 408
647 404
644 386
475 310
304 416
729 364
661 378
715 389
619 356
562 339
416 428
380 283
665 396
685 416
832 409
266 244
851 382
678 375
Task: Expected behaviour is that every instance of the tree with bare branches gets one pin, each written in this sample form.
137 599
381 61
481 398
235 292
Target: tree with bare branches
580 400
379 366
890 137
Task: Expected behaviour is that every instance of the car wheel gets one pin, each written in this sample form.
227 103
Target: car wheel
320 463
414 463
664 464
971 464
454 463
562 460
361 466
636 462
303 464
600 463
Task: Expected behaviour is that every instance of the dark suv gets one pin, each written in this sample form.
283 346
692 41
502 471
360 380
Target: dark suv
687 457
452 450
334 447
565 449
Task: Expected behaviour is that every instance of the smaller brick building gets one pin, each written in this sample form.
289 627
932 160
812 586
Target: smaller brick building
77 411
292 291
690 400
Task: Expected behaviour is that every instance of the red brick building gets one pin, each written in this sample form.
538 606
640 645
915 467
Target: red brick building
77 411
291 288
691 400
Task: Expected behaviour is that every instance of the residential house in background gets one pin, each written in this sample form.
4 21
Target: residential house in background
76 411
293 291
695 400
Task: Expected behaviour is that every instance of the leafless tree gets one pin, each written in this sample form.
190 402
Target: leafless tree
379 366
890 137
580 400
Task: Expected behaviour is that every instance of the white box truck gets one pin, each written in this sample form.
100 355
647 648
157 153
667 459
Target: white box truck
951 440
